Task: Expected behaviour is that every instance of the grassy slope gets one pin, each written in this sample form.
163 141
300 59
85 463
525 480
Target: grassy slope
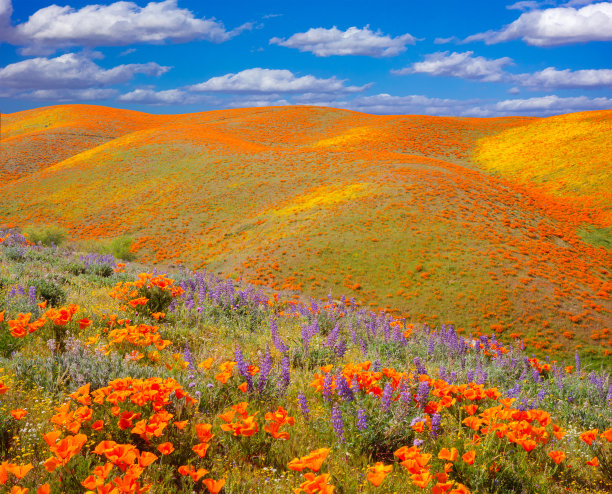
391 210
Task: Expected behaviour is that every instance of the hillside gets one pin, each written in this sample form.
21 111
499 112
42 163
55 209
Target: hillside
439 219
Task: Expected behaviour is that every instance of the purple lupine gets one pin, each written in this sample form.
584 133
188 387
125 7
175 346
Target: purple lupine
340 348
482 379
417 442
405 395
436 420
328 381
332 336
243 368
338 423
419 366
422 393
355 386
305 336
377 367
363 346
276 339
343 389
362 420
577 357
32 294
351 329
264 371
303 406
431 345
285 377
387 396
470 376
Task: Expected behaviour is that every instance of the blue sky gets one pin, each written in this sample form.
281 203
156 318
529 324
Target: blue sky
477 58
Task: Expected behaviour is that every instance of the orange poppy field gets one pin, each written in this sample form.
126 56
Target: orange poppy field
494 225
313 301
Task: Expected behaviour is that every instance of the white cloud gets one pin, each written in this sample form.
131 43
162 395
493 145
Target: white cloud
257 102
120 23
416 104
6 9
354 41
63 95
258 80
463 65
443 41
554 103
524 5
149 96
551 78
542 106
70 71
387 104
466 66
556 26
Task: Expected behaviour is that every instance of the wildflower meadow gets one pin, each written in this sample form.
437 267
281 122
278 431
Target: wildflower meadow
115 377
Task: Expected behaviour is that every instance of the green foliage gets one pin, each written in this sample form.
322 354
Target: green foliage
47 235
598 237
8 344
50 290
120 248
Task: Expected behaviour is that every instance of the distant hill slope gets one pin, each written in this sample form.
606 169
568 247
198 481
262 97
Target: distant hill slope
420 214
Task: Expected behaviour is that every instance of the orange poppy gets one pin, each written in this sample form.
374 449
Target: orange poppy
84 323
594 462
557 456
19 471
214 486
378 472
19 413
589 436
201 449
469 457
445 454
43 489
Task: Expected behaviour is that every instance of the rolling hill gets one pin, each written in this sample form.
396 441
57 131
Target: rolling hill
495 225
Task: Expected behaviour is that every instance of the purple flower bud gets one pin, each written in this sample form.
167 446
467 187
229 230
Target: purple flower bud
276 339
264 371
328 381
387 396
338 423
303 406
362 420
436 419
285 378
342 388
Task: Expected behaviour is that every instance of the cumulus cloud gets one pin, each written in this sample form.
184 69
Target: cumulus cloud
70 71
466 66
118 24
554 103
386 104
63 95
6 9
463 65
258 80
556 26
152 97
551 78
354 41
417 104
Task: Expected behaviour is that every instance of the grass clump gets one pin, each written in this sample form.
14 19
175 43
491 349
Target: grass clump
47 235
